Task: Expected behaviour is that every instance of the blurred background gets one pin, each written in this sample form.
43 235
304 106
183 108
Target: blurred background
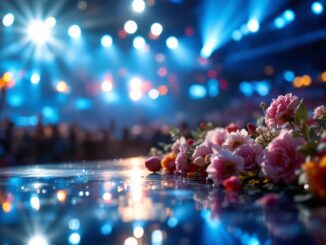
88 80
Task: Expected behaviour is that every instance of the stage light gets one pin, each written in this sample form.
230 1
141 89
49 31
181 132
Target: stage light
107 86
279 23
135 83
153 94
74 238
35 78
197 91
157 237
156 29
138 232
50 22
288 76
39 32
246 88
131 241
8 20
236 35
74 224
37 240
288 15
106 41
172 42
74 31
139 42
213 89
135 94
130 27
162 72
163 89
62 87
138 6
253 25
35 203
317 8
262 88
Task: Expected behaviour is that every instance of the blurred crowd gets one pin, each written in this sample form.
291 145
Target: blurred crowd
71 143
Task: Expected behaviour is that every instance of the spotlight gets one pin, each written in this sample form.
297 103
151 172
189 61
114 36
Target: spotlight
135 83
172 42
35 78
317 8
139 42
39 32
156 29
107 86
253 25
37 240
289 15
279 23
236 35
135 94
74 31
130 27
50 22
106 41
8 20
138 6
197 91
153 94
74 238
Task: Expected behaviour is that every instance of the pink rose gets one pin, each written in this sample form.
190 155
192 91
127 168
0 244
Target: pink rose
281 158
203 149
181 161
224 165
281 110
235 139
250 154
216 136
232 184
320 112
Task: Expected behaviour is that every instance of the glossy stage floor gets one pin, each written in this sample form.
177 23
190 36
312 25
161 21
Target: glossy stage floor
119 202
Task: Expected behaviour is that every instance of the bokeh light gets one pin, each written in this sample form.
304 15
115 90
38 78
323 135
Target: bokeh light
317 8
138 6
106 41
172 42
8 20
156 29
39 32
130 27
74 31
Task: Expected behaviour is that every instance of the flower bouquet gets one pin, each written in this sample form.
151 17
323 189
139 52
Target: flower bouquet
284 151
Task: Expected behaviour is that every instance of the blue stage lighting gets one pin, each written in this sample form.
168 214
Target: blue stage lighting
35 78
39 32
8 20
289 76
279 23
156 29
213 88
253 25
51 22
288 15
246 88
197 91
83 104
139 42
74 31
172 42
317 8
106 41
236 35
262 88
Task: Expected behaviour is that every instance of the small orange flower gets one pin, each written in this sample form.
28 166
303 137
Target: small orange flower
316 175
168 162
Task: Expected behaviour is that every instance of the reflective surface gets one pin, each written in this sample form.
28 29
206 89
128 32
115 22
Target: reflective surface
119 202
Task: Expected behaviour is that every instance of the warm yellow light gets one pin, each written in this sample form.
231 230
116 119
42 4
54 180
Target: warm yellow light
6 207
61 195
62 87
297 82
306 80
7 77
323 77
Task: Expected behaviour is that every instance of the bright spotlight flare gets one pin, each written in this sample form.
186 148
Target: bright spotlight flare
39 32
172 42
130 27
74 31
138 6
8 20
156 29
253 25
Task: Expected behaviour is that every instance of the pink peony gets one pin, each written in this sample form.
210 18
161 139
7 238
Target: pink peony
281 110
181 161
281 158
176 145
250 154
216 136
235 139
224 165
320 112
203 149
232 183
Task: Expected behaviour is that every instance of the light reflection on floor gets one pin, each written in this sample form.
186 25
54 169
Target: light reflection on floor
119 202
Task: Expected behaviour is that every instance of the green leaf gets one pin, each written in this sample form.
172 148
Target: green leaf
302 113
